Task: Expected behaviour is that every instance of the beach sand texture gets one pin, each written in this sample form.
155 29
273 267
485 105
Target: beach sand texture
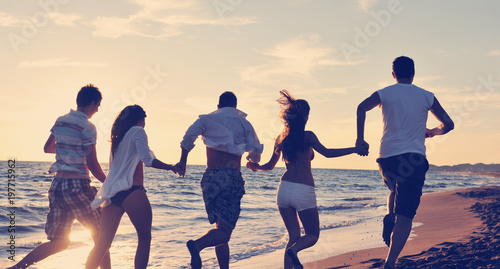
457 229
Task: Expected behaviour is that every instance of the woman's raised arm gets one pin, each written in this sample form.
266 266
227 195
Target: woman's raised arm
329 153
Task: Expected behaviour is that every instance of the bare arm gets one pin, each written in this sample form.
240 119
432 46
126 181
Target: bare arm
367 105
181 165
446 122
146 155
161 165
329 153
50 145
93 164
269 165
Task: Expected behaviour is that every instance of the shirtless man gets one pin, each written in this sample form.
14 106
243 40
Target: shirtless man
227 135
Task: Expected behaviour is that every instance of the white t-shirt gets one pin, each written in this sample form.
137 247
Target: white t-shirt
405 109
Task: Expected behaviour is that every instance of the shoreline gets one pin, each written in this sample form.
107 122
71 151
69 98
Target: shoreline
495 174
445 221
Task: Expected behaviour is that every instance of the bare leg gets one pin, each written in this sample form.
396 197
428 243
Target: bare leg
110 219
289 216
223 257
296 243
139 211
220 235
390 202
400 234
218 238
389 219
222 251
310 221
41 252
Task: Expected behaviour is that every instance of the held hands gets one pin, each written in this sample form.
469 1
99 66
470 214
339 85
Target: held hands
177 169
181 167
252 166
362 148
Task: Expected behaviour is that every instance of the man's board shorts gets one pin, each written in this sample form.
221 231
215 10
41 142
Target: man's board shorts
296 195
222 190
69 199
405 174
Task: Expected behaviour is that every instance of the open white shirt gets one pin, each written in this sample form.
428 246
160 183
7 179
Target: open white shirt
225 129
132 149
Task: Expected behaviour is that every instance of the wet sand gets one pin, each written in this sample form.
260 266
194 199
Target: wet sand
454 229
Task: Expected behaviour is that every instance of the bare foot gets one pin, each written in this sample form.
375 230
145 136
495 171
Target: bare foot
388 266
295 260
195 255
388 222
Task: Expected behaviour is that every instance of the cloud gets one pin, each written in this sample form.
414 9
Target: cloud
467 100
162 19
297 57
366 4
59 62
7 20
494 53
64 19
324 93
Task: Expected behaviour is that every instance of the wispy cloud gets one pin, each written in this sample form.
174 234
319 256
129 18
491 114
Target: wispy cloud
58 62
298 57
467 100
7 20
161 19
61 19
323 94
64 19
494 53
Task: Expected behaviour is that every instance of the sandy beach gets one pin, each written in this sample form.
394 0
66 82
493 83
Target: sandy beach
453 229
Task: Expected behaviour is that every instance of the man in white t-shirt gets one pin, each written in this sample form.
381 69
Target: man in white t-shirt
402 160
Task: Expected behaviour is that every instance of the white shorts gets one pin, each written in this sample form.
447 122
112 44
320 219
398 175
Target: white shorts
296 195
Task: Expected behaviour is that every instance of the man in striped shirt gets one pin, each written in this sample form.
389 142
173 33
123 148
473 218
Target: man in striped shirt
73 140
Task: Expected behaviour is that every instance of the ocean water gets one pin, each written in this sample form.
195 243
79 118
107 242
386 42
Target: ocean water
351 204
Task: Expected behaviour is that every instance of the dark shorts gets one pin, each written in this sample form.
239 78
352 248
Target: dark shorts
405 175
222 190
69 199
121 196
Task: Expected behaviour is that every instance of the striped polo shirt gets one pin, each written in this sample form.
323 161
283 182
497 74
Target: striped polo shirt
72 132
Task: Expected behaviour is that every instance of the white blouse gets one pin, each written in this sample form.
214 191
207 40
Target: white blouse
132 149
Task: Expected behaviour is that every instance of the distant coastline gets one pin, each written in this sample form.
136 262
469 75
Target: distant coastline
479 169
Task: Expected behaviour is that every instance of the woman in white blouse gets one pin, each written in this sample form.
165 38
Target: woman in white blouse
123 189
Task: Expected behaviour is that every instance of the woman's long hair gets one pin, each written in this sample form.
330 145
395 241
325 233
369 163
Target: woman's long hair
127 118
294 115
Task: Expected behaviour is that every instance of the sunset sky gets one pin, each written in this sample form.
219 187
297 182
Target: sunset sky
174 58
